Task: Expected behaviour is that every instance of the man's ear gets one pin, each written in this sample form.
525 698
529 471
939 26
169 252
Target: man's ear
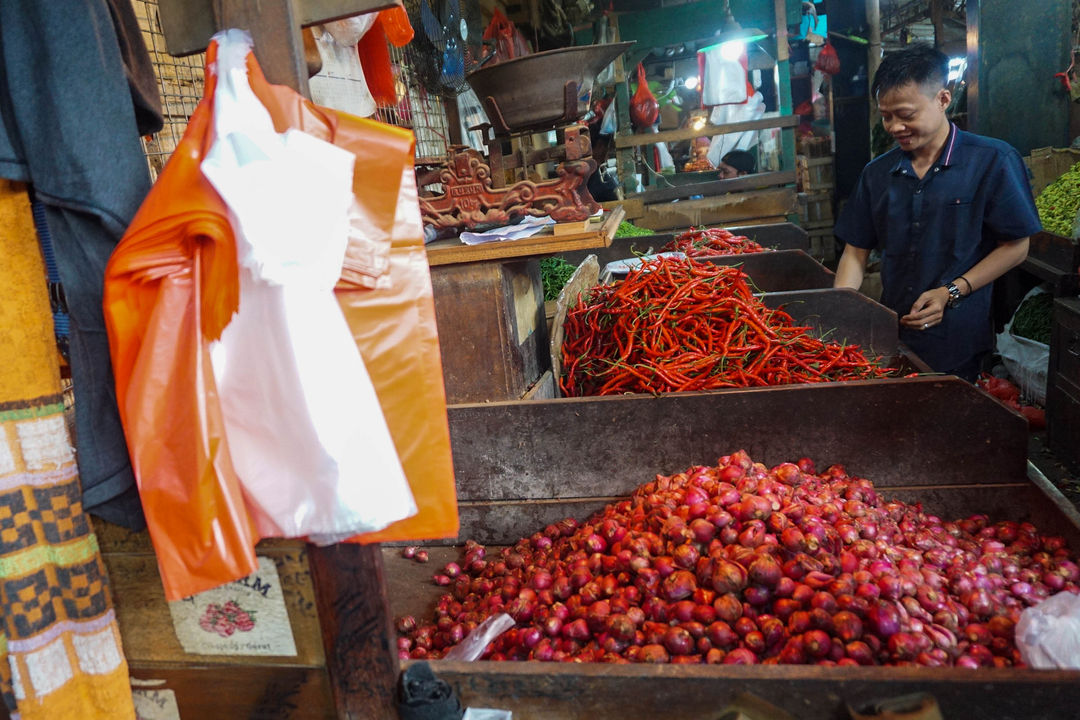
944 97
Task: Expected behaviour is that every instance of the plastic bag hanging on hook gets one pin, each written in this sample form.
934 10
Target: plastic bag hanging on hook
394 323
171 286
644 109
828 61
305 428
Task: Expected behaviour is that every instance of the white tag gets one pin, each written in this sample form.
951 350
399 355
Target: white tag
245 617
155 705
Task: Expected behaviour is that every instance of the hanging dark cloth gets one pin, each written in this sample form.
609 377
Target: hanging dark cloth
76 92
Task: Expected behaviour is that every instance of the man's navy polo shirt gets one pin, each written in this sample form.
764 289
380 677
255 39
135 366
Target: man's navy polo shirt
932 230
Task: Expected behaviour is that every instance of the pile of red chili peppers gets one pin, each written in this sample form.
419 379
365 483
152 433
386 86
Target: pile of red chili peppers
679 324
710 242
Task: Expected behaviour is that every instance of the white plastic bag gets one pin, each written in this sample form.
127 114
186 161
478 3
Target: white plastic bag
306 433
341 84
472 647
610 124
470 115
1026 360
721 145
1048 634
725 77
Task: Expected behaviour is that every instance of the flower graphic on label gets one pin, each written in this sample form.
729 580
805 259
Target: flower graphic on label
226 619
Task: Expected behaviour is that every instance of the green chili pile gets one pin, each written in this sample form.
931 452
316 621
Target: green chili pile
554 273
677 324
1033 318
1059 202
629 229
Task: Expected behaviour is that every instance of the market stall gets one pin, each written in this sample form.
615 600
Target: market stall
571 458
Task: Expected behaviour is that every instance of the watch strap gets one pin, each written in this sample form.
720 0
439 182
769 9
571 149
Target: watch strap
954 294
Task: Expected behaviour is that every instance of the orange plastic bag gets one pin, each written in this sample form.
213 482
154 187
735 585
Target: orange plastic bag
509 42
170 287
390 26
394 324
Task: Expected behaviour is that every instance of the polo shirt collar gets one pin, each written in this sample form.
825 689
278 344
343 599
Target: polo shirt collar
949 153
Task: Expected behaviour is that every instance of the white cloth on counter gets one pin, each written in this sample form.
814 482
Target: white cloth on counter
526 228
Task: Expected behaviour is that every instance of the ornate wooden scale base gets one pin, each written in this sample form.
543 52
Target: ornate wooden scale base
475 193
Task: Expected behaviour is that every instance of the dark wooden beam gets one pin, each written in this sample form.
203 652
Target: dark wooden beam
716 187
357 629
784 121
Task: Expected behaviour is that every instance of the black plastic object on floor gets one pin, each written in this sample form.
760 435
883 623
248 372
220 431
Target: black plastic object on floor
422 696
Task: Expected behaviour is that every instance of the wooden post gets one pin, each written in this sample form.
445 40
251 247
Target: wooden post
625 166
783 65
279 45
937 17
873 54
350 590
354 613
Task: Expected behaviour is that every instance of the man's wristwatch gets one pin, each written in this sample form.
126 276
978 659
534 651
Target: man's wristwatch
954 294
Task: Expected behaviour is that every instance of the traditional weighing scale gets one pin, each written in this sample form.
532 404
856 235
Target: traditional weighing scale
535 93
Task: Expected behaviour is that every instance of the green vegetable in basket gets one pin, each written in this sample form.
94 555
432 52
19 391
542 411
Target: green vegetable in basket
1032 319
554 273
629 229
1059 202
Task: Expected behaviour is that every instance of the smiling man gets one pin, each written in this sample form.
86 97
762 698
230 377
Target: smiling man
951 212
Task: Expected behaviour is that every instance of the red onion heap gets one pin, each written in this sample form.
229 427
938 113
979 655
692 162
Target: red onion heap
741 564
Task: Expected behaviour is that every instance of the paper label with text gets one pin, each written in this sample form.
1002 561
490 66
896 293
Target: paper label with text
245 617
155 704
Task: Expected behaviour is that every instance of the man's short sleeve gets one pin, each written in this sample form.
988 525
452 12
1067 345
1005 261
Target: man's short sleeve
856 224
1010 208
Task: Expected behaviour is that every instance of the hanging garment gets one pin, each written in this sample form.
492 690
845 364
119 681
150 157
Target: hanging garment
65 62
63 656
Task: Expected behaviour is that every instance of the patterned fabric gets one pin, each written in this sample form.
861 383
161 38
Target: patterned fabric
60 650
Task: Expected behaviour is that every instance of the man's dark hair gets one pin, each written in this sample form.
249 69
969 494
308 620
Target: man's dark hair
741 160
919 63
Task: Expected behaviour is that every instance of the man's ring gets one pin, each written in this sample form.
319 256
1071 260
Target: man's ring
925 326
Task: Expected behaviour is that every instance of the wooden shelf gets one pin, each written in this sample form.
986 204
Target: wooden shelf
783 121
188 24
452 251
756 181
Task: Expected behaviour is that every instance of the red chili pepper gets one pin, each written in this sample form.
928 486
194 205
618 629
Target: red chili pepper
711 242
677 325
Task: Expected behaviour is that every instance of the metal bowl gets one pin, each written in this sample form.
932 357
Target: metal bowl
529 92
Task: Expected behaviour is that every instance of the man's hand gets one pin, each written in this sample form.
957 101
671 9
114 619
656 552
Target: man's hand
928 310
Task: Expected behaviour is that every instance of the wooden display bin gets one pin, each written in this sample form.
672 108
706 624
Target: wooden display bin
492 330
1063 383
211 685
776 236
776 271
1054 259
938 441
